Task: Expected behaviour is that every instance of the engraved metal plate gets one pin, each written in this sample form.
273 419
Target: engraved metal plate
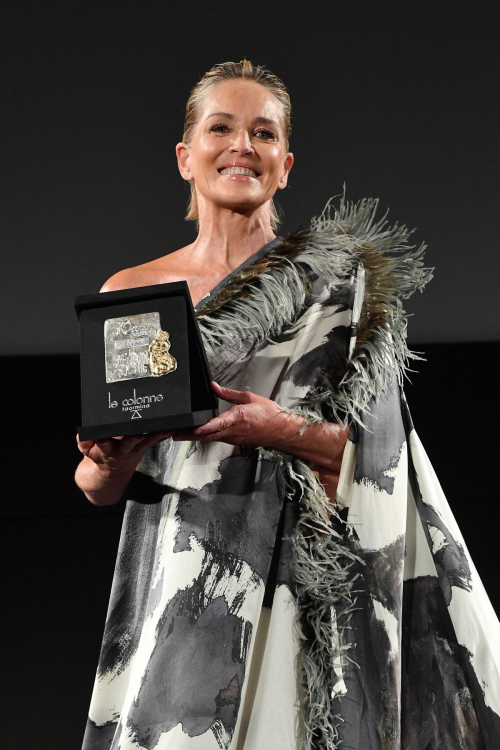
126 342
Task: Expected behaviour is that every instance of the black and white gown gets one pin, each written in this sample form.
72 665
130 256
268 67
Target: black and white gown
244 614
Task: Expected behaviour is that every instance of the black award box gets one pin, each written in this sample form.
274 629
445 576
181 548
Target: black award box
142 362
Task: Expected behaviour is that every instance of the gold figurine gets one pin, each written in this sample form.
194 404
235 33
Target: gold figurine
160 361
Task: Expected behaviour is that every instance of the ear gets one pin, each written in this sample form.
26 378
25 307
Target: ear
182 152
287 165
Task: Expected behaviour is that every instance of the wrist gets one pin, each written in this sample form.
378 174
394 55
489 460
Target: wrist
103 485
95 477
291 433
114 472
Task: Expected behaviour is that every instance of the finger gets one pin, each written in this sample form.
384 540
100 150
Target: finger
217 424
157 437
220 435
106 446
162 435
87 443
225 436
131 441
232 395
84 445
180 435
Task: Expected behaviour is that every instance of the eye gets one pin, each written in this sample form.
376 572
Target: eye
220 127
265 134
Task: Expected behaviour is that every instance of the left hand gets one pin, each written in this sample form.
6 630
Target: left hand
253 420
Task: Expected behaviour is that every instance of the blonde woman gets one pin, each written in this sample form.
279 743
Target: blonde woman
289 575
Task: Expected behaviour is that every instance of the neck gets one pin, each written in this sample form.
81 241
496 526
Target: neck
226 238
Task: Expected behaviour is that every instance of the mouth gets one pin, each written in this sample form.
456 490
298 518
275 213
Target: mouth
239 171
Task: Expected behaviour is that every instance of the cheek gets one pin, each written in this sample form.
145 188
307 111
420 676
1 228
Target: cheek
273 162
206 153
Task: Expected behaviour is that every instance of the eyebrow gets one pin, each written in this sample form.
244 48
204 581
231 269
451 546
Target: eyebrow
264 120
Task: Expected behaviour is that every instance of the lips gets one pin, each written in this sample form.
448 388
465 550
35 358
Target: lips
238 169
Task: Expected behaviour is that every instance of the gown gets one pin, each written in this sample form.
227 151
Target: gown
247 611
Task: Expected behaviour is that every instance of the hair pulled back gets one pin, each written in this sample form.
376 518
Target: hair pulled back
229 71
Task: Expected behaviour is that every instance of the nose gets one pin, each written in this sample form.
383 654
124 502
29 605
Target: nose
241 143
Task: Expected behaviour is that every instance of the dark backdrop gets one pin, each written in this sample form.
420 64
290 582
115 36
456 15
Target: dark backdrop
398 100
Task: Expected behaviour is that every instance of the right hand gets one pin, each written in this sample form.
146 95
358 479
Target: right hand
120 452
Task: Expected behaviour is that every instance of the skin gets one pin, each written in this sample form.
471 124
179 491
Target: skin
234 222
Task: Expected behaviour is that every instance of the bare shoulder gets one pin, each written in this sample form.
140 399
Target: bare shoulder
121 280
158 271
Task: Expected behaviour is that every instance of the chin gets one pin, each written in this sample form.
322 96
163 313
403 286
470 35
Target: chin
241 206
239 201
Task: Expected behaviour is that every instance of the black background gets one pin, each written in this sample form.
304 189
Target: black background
398 100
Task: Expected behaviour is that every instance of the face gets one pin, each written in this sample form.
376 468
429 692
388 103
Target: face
237 157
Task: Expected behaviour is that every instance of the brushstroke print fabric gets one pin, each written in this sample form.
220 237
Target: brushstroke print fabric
246 611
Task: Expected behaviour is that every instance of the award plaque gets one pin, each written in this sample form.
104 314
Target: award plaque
142 361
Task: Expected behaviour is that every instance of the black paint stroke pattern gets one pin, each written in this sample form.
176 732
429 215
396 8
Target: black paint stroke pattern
442 703
204 686
238 512
379 447
185 642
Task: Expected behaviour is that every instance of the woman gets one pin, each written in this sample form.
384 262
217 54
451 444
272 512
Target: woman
280 583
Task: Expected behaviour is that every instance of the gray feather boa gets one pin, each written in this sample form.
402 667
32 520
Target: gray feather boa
269 295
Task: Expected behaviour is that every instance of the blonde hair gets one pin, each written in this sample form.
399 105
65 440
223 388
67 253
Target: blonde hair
229 71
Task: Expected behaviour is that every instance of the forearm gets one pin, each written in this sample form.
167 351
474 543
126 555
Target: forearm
103 485
320 443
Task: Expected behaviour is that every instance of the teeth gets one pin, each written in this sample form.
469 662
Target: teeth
239 170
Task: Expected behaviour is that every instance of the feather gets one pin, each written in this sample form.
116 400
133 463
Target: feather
266 295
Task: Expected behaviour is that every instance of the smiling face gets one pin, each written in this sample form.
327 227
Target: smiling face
237 156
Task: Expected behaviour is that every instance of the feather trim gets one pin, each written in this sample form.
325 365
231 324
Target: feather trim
326 598
265 296
394 270
271 291
268 293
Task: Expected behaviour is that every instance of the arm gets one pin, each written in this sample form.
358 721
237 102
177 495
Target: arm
322 445
100 486
258 421
108 465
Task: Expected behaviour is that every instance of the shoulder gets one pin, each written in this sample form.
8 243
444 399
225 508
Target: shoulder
171 267
122 280
154 272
